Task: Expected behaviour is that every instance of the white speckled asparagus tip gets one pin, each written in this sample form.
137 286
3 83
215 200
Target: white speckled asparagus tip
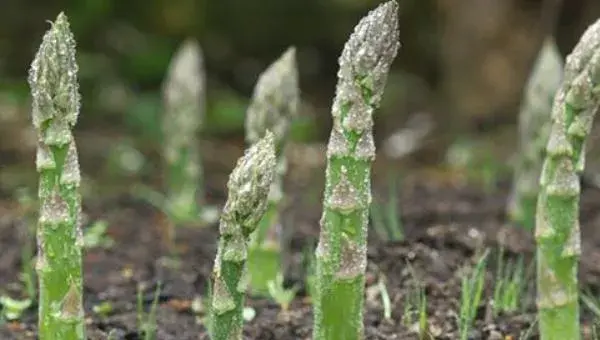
55 108
274 104
248 188
341 253
184 105
557 219
534 129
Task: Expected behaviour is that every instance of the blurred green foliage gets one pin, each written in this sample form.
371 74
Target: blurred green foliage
124 48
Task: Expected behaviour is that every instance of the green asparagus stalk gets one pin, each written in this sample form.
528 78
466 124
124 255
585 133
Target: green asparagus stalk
55 108
248 187
557 219
274 104
341 253
184 106
534 128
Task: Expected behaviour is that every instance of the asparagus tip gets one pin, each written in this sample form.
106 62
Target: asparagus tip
250 181
374 43
53 82
275 99
185 75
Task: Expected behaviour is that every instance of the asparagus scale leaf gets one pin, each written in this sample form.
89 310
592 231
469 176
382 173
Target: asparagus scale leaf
557 219
341 251
55 108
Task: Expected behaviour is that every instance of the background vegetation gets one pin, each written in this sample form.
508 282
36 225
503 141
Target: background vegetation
463 64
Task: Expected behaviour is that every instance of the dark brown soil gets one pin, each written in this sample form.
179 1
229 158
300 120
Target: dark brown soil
446 228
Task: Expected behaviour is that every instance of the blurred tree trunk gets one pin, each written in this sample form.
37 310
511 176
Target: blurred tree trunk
488 48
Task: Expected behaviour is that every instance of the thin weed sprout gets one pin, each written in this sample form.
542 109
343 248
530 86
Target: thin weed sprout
27 274
385 297
386 218
471 294
308 263
414 315
591 302
95 236
103 309
12 309
283 296
146 322
529 331
509 284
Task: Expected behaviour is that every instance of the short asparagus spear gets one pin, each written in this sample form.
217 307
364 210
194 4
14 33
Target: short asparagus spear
274 104
341 252
184 101
534 128
557 218
248 187
55 108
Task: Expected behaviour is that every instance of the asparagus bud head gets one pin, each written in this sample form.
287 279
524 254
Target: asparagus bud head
249 184
54 87
275 99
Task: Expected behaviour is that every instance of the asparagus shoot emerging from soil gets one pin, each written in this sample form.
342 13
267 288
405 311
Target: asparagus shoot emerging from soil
184 98
534 128
248 187
274 104
55 108
341 253
557 219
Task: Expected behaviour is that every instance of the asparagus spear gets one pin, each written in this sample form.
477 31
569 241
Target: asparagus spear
341 252
557 219
55 108
274 104
534 128
184 97
246 204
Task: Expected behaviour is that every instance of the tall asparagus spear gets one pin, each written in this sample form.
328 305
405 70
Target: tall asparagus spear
534 128
184 101
557 219
55 107
248 186
341 252
274 104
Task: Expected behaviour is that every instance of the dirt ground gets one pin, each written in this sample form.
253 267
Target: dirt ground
446 227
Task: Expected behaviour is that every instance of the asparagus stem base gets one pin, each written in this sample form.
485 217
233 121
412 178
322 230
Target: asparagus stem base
60 254
227 322
339 309
560 321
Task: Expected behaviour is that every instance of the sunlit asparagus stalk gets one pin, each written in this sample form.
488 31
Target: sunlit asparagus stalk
248 187
534 128
55 108
184 106
557 220
341 253
273 106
